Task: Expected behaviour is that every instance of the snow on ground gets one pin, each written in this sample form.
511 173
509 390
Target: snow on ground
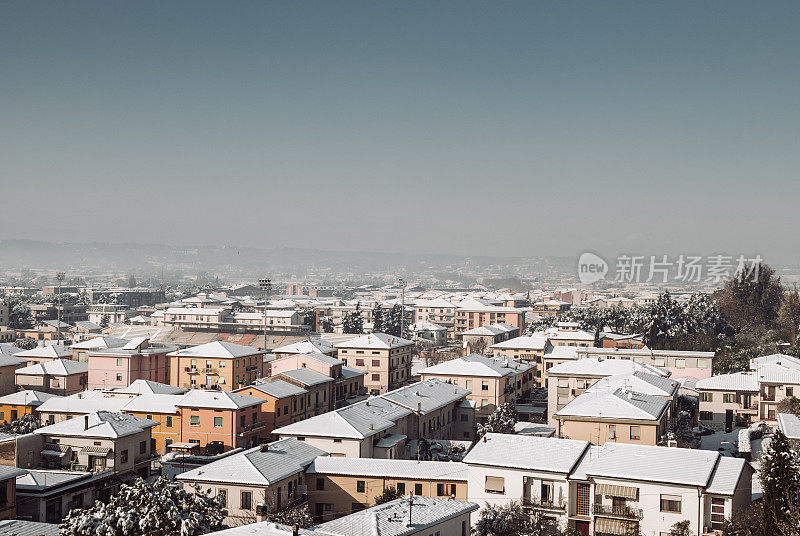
713 442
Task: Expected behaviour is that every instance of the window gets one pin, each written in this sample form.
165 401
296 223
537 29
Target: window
659 361
217 422
717 510
636 433
469 384
142 447
706 397
242 421
706 416
359 362
223 497
401 488
680 363
495 484
169 421
360 486
119 361
671 503
320 484
119 377
123 456
194 420
612 431
376 377
484 386
376 362
729 398
789 391
417 489
246 500
702 363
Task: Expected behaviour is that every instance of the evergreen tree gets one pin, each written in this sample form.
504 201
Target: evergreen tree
327 324
377 319
394 322
353 322
501 421
104 321
780 482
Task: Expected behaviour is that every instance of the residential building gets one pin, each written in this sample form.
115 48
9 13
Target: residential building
15 405
70 313
9 364
528 348
473 313
438 311
217 365
571 378
429 333
40 354
728 400
534 471
621 416
491 381
163 410
568 334
343 485
228 420
555 355
679 363
80 349
309 346
8 491
60 377
318 388
103 314
283 403
260 480
478 340
138 359
58 408
385 358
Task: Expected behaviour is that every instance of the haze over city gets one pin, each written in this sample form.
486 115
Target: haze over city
404 127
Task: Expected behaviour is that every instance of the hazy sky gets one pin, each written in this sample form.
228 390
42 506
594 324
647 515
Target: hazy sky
463 127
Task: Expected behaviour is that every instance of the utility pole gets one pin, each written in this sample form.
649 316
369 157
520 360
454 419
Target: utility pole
60 278
403 312
265 285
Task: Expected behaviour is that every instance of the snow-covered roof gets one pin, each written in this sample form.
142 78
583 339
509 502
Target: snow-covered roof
389 519
257 466
142 387
426 396
54 351
599 368
492 330
98 343
776 359
194 311
153 403
197 398
306 376
738 381
218 350
375 341
527 452
726 475
789 425
477 365
640 382
22 527
670 465
561 352
56 367
26 397
305 347
103 424
82 403
619 404
773 373
526 342
380 467
279 388
426 326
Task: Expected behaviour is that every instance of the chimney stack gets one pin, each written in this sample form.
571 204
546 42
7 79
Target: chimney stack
85 422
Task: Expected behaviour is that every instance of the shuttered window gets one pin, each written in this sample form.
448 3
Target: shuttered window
495 484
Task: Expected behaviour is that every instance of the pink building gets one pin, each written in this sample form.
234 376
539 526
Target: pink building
137 360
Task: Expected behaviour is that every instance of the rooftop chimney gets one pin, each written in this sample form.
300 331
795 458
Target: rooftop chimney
85 422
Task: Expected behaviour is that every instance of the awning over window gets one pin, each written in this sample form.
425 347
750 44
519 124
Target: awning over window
612 490
95 450
496 484
612 526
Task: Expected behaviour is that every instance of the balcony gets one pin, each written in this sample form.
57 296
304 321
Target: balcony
767 398
539 504
190 370
622 512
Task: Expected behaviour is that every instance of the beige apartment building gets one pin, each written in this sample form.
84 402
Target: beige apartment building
473 313
728 400
346 485
61 377
620 416
220 365
439 311
385 358
681 364
491 381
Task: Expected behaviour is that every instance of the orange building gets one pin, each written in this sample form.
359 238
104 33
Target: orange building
162 409
283 403
232 420
218 365
15 405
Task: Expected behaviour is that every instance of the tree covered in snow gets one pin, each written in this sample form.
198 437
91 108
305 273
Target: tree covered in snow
390 493
26 344
501 421
327 324
299 515
353 321
393 324
378 322
24 425
163 508
780 481
681 528
513 520
104 321
19 314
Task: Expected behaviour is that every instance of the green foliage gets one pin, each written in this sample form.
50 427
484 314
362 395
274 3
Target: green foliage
513 520
353 322
779 475
681 528
300 516
501 421
390 493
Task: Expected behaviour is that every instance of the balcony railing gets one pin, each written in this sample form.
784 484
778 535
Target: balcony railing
767 398
535 502
625 512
